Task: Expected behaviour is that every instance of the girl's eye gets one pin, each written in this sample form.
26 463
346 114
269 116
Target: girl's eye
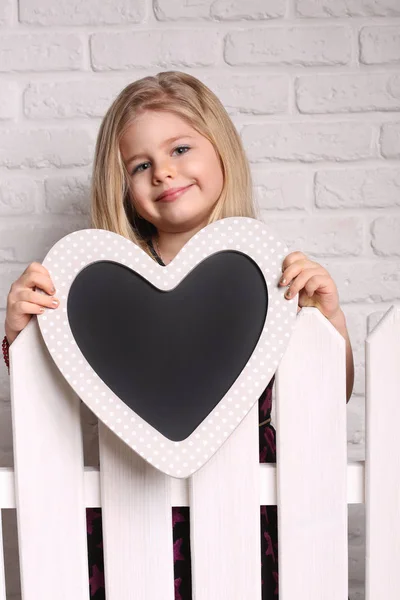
182 148
139 169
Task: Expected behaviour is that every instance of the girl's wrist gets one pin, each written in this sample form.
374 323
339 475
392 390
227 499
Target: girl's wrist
338 320
338 316
10 333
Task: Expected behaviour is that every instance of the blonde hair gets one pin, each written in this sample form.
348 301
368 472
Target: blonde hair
191 100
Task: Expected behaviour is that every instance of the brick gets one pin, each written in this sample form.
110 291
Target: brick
68 195
348 8
326 236
288 45
9 100
69 99
390 140
40 52
282 190
45 148
75 12
386 236
174 10
357 188
348 92
168 48
259 94
6 7
308 142
368 281
30 240
18 196
380 45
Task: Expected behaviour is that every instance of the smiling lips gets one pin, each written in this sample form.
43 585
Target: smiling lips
170 195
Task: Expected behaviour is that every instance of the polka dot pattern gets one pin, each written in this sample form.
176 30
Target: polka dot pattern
81 248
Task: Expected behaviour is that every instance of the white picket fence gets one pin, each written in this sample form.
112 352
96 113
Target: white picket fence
312 483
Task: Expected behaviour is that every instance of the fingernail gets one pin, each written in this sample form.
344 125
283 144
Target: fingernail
53 291
41 310
283 281
288 294
54 302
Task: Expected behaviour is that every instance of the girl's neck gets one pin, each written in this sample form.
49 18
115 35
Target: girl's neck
169 244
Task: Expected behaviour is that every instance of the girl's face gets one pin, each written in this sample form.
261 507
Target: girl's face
162 152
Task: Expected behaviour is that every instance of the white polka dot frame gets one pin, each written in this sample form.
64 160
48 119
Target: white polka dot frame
82 248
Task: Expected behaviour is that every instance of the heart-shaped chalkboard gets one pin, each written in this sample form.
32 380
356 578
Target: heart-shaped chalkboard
170 358
174 354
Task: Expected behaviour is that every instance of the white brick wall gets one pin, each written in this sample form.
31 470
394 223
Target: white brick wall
380 45
313 86
287 45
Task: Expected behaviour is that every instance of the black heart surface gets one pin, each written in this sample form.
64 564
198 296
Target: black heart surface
172 355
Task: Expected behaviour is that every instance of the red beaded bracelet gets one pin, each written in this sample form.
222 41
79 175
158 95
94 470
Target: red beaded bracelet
5 346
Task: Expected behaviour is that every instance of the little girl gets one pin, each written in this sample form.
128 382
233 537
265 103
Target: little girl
169 161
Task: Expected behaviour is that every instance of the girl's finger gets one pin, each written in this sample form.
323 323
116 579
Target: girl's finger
27 295
35 279
28 308
315 283
297 274
294 271
36 267
291 258
300 281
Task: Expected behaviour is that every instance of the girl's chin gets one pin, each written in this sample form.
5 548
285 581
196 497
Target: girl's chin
179 219
181 225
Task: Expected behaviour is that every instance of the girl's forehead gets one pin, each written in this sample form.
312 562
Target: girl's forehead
156 127
156 118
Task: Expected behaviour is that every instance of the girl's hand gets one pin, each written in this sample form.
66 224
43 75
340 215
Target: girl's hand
312 282
23 301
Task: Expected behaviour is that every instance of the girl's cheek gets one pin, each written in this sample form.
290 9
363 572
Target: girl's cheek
136 192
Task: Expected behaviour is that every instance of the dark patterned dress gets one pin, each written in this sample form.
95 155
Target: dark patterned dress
181 531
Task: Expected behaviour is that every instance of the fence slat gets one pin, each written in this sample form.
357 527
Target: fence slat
7 488
382 459
137 524
48 458
311 462
225 519
179 487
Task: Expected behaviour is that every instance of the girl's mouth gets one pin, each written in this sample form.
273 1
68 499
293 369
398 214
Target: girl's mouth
170 197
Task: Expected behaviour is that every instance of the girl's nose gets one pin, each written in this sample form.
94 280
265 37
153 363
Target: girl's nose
162 170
